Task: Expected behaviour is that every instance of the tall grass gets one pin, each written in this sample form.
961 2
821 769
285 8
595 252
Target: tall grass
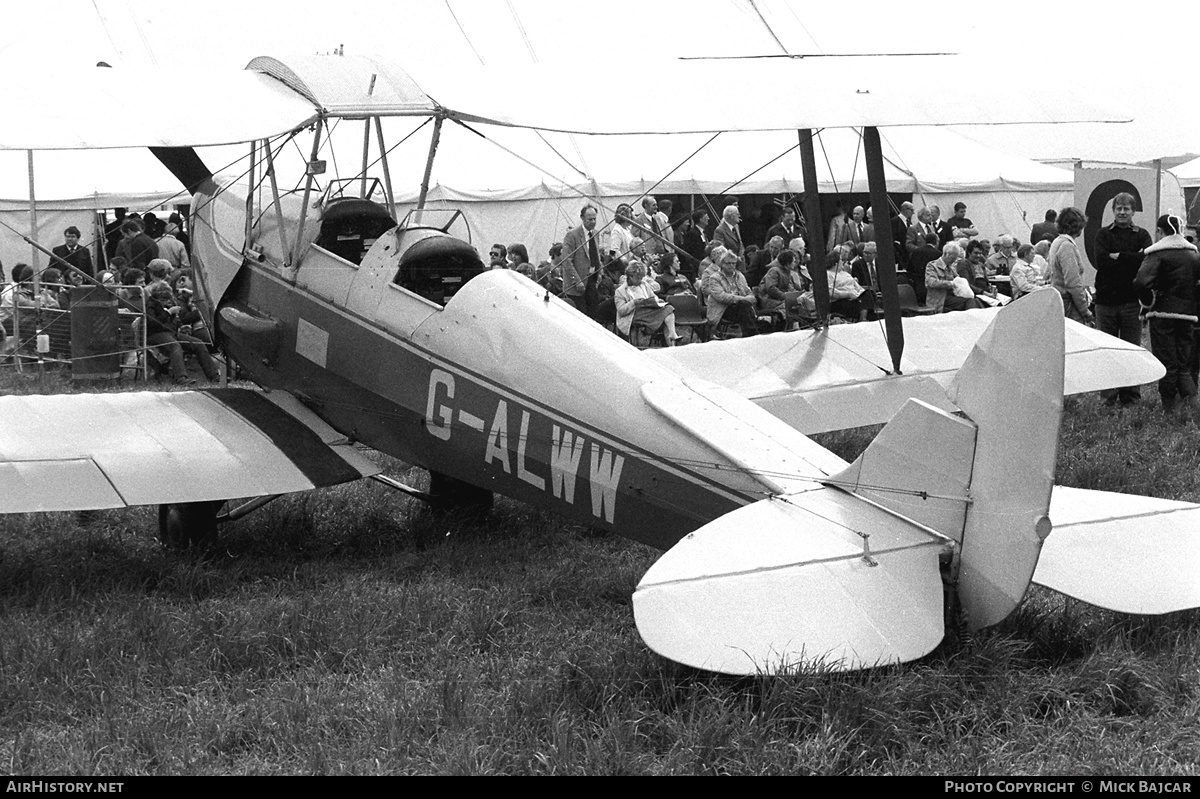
350 631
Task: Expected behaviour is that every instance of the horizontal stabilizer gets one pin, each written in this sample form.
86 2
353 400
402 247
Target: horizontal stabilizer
778 585
168 447
1123 552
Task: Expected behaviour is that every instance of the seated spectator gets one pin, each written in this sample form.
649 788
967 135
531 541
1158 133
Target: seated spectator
612 275
1026 275
191 321
112 275
844 290
784 277
1041 255
131 293
157 271
162 333
730 299
940 274
670 280
974 269
549 273
18 294
1003 259
919 258
711 264
53 288
636 303
764 260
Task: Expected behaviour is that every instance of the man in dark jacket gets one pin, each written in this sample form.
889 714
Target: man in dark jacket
1167 283
1119 249
136 247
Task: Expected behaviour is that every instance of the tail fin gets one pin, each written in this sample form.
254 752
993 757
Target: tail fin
1011 388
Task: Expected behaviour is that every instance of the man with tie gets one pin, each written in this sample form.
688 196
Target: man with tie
727 234
864 270
900 225
923 227
860 230
652 227
72 253
581 257
787 228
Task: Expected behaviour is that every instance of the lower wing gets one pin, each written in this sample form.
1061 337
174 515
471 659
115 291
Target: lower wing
91 451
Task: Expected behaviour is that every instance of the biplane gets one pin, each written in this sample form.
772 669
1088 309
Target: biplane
362 330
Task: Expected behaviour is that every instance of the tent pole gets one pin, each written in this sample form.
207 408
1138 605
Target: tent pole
289 273
387 173
816 241
283 246
885 258
433 145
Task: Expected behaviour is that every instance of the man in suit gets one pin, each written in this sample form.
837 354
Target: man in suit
1047 230
900 225
861 231
786 228
581 257
727 234
918 231
695 240
73 254
865 271
651 226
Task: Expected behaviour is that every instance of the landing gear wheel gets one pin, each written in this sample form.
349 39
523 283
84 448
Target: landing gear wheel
188 524
449 494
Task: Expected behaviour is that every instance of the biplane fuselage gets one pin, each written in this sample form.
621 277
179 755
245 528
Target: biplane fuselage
502 387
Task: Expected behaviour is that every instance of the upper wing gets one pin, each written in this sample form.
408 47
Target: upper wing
838 378
89 451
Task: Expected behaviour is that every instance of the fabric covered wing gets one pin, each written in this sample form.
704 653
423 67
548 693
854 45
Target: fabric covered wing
1123 552
818 381
90 451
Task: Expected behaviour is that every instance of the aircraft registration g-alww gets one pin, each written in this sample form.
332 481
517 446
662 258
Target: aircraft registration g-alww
362 331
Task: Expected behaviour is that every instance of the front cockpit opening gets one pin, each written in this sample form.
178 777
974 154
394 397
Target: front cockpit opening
350 225
437 267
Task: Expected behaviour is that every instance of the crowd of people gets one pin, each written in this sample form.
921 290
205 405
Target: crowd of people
947 263
634 274
150 275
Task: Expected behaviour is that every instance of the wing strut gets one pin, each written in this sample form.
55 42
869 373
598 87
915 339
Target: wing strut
816 238
885 258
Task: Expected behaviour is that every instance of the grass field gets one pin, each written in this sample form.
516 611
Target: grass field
349 631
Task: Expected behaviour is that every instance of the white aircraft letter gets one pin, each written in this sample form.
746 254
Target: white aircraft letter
440 426
497 443
605 475
565 454
523 473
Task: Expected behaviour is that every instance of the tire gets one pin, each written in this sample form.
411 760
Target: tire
450 494
189 524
